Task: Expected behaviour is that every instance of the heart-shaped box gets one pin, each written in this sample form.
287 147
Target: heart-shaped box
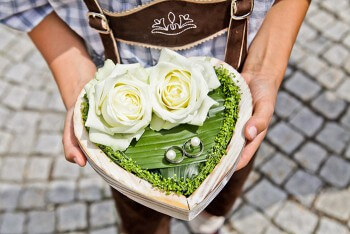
141 191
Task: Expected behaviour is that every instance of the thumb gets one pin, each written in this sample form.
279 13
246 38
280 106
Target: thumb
263 110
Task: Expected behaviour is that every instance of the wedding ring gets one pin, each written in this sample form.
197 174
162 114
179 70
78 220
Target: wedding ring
192 143
170 154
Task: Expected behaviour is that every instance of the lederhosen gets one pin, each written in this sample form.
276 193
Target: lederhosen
178 25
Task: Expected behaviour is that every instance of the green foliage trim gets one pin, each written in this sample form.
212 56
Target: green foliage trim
178 185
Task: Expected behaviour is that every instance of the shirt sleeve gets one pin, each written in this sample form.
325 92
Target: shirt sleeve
24 15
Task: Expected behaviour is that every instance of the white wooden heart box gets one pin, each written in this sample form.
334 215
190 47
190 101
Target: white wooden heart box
139 190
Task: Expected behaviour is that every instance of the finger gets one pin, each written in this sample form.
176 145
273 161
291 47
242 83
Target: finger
249 150
70 143
259 122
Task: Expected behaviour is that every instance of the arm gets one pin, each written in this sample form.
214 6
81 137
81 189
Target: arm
265 65
72 68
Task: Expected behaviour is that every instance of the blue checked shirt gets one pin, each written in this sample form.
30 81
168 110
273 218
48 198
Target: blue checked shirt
24 15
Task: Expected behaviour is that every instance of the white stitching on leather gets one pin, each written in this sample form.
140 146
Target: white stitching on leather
174 26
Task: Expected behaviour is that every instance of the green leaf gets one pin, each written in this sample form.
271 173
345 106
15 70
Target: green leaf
149 151
184 172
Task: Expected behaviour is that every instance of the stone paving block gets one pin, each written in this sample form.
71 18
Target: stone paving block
335 8
72 217
278 168
344 15
5 140
322 20
12 223
22 121
90 189
336 171
36 100
301 86
329 105
18 72
178 227
345 120
107 192
347 65
24 142
20 49
335 203
310 156
265 152
334 137
285 137
336 55
49 143
296 219
337 31
346 40
313 65
273 230
61 191
304 187
55 103
37 79
33 196
251 180
286 105
13 168
297 55
249 220
15 97
331 226
103 213
331 77
51 122
65 170
317 47
88 171
107 230
3 88
41 222
39 168
5 113
306 33
307 121
9 194
6 38
343 90
347 153
266 196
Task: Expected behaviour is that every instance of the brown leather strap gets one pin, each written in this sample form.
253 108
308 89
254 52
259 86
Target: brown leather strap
237 46
162 23
98 21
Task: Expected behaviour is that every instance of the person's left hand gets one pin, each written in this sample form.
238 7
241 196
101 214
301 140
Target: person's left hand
264 93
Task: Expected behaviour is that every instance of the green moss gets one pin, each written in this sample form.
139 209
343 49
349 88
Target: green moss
179 185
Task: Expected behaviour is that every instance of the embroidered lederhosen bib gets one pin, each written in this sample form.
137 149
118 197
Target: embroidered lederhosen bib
175 24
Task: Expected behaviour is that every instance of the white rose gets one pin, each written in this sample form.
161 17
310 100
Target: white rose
119 107
179 90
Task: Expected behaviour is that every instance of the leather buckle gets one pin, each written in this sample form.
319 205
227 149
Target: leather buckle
105 29
234 10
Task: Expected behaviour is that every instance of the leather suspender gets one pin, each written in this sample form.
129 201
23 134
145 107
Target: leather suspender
236 46
98 21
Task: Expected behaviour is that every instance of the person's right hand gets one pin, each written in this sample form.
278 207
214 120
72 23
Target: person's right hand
70 143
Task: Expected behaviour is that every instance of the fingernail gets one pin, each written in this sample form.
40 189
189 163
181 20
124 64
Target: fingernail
75 160
252 131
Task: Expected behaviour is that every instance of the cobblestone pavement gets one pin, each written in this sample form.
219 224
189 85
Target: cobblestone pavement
301 179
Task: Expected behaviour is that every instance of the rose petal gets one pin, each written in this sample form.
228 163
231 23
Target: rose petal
201 115
116 142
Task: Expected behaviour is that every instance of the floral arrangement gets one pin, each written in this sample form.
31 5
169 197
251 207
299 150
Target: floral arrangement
122 98
187 100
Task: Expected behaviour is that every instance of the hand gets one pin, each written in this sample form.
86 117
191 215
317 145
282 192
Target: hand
70 143
264 92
